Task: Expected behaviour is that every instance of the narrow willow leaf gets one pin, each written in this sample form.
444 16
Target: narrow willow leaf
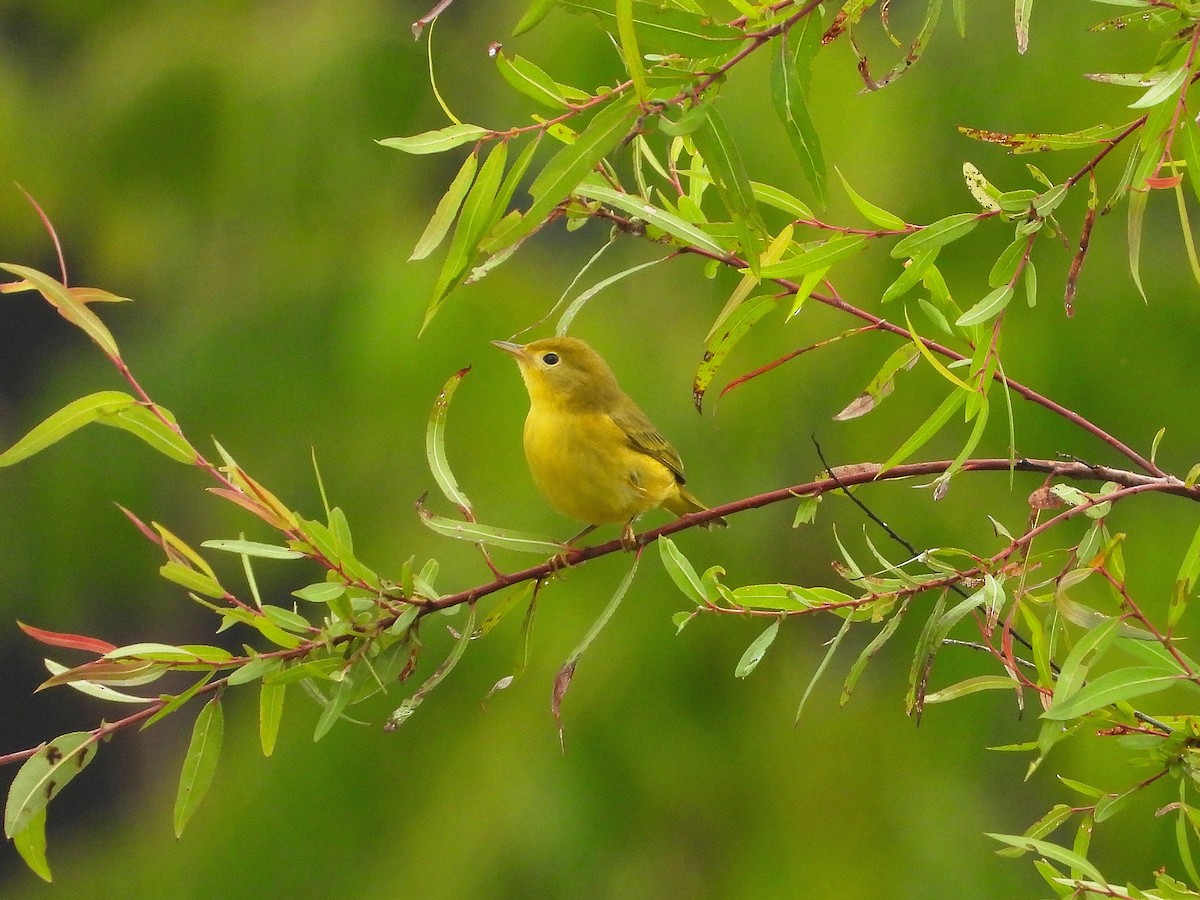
270 714
1057 814
1052 852
1038 143
487 534
536 11
30 842
868 653
1164 88
435 444
99 691
447 208
71 308
825 660
720 345
141 421
984 192
628 40
1005 267
931 426
321 592
1024 8
914 271
750 280
531 81
563 173
437 141
200 763
791 105
818 256
1133 225
882 385
665 29
71 417
334 708
724 161
971 686
476 217
43 775
189 578
688 234
577 304
936 234
987 308
681 571
1111 687
781 200
757 650
562 681
1185 582
253 548
876 215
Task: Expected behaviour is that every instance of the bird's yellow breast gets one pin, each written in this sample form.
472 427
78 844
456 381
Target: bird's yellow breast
584 465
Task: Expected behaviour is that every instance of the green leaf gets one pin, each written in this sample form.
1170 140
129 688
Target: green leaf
1041 142
409 706
724 161
531 81
869 652
437 141
882 385
819 256
1052 852
30 842
791 105
563 173
987 308
781 200
321 592
682 571
1133 229
447 208
435 444
1166 87
825 660
1005 267
971 686
690 235
71 417
663 29
140 421
335 707
720 345
876 215
627 36
537 11
936 234
913 272
562 681
1024 8
476 217
200 763
71 308
270 714
1057 814
1111 687
572 310
43 775
931 426
191 579
757 650
253 548
487 534
1185 582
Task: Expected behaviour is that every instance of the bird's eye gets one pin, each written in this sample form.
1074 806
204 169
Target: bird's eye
550 359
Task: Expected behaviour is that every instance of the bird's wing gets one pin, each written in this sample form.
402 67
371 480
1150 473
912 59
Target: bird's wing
645 438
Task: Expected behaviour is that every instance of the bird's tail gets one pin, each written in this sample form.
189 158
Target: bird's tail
684 502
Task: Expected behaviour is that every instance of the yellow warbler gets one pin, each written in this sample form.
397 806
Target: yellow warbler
592 452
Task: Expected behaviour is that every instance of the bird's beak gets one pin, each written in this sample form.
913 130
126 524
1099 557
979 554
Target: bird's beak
517 350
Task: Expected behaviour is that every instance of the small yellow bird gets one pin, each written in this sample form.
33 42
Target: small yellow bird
592 452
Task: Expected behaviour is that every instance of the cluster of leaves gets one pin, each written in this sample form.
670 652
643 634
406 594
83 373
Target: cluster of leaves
654 156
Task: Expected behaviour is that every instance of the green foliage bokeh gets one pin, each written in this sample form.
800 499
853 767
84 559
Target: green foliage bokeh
217 163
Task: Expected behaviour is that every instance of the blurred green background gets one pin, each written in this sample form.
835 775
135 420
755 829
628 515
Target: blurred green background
217 163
